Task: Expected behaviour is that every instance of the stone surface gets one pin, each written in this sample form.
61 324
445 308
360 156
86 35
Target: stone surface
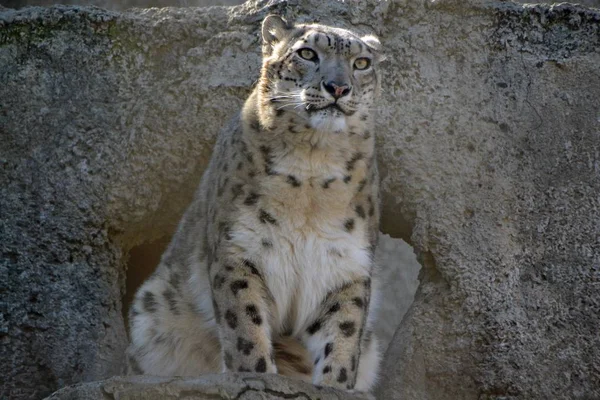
117 5
588 3
210 387
120 5
494 161
398 271
490 160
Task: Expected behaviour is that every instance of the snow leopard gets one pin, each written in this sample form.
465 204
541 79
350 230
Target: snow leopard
271 268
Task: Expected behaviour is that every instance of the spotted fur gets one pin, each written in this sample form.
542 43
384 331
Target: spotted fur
271 267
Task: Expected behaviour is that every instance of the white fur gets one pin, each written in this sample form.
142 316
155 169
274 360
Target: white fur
368 368
326 122
188 335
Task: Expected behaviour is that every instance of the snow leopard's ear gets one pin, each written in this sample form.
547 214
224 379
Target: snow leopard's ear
375 45
274 29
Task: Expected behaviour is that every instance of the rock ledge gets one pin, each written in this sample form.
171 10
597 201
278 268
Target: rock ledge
219 386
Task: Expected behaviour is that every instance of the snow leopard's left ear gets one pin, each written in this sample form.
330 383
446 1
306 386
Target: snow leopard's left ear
274 29
375 46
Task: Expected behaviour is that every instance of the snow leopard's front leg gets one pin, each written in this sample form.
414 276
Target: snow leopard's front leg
242 302
334 338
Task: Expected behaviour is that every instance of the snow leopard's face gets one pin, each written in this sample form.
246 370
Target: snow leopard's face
326 76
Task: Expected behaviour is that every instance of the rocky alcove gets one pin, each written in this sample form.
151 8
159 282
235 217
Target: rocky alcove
489 150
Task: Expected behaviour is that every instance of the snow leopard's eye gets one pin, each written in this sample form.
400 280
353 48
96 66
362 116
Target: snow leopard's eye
362 63
308 54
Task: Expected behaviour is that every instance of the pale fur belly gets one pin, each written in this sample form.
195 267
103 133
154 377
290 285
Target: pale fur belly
303 265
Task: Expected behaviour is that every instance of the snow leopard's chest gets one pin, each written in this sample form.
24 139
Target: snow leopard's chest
309 240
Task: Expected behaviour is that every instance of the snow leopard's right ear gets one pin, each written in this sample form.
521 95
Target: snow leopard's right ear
274 29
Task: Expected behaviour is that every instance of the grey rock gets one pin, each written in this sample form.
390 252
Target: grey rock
490 164
120 5
397 277
209 387
587 3
493 161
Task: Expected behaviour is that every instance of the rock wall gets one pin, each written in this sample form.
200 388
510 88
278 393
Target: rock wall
494 160
120 5
490 160
588 3
117 5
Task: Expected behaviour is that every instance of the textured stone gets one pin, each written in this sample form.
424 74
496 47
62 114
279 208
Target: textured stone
398 271
117 5
490 164
120 5
494 162
208 387
588 3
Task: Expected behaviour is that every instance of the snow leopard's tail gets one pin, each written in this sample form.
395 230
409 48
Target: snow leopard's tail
292 359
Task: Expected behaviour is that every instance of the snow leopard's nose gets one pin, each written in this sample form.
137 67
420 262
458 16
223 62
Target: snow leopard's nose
336 89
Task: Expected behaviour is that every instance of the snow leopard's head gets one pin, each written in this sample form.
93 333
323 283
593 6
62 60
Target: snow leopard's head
327 77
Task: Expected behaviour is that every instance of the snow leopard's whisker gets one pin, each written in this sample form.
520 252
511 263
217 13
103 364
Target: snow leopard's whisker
287 103
278 98
290 104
